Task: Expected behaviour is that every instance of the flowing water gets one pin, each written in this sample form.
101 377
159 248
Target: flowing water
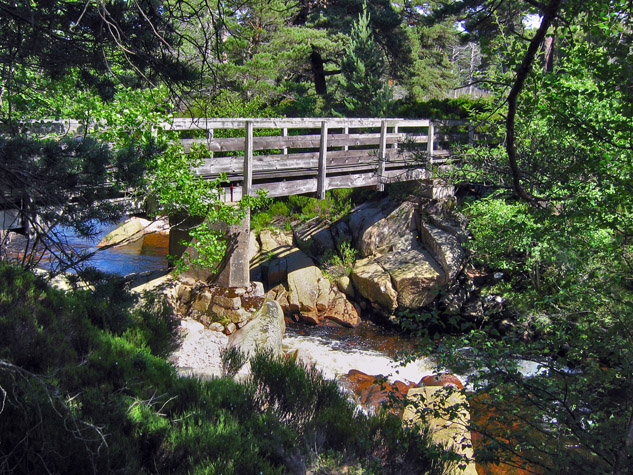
369 348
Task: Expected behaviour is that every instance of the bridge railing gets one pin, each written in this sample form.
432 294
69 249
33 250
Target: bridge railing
289 156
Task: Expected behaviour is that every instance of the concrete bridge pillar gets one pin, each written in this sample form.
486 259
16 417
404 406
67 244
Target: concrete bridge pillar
233 270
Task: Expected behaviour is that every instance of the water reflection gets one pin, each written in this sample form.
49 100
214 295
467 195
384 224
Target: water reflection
146 254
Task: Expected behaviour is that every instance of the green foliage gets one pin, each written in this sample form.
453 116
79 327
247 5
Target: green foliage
460 108
232 360
337 204
344 255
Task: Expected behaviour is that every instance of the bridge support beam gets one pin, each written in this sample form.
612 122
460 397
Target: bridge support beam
234 269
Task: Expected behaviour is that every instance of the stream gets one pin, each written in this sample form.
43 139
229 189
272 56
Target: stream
369 348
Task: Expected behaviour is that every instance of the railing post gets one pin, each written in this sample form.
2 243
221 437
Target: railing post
395 131
430 143
209 140
382 156
471 135
346 132
284 134
248 159
322 174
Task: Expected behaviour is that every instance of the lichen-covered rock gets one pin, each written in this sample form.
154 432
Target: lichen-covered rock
340 310
134 229
314 236
447 417
363 217
345 285
312 297
274 241
202 301
446 247
383 235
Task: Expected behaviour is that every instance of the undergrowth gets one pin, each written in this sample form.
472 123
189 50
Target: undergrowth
85 388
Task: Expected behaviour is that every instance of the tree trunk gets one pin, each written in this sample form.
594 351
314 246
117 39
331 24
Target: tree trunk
319 73
550 12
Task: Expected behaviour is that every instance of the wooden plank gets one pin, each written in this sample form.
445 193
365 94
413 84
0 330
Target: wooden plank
393 176
287 188
294 187
234 165
248 159
382 155
353 180
322 175
279 165
235 144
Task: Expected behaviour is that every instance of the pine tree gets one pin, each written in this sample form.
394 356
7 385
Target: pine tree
365 92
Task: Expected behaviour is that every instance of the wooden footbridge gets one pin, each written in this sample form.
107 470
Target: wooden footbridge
312 155
288 156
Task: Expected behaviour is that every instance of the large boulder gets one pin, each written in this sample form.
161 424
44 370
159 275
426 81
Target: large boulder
264 333
365 216
133 230
373 282
415 274
385 234
406 259
446 248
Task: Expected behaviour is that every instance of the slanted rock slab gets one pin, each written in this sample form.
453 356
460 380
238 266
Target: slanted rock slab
132 230
446 247
431 406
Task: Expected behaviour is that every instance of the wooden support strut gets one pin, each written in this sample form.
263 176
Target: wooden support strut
382 157
322 172
248 159
430 142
